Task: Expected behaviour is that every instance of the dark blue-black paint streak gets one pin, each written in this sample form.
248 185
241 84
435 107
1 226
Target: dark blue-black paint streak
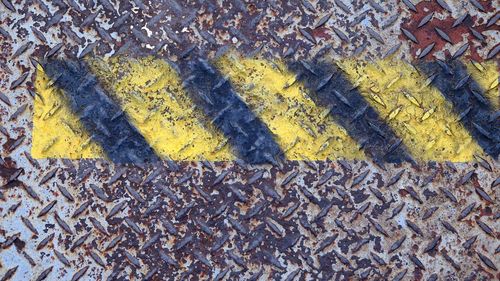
474 110
247 134
102 117
330 88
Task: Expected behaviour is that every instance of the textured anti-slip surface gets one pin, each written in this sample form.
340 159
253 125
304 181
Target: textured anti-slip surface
249 140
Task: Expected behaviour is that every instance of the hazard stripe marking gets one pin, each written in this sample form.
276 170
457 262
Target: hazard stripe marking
416 110
302 129
329 87
486 76
411 116
151 93
57 131
248 135
469 102
100 116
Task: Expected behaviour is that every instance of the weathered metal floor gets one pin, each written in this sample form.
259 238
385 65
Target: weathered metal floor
324 139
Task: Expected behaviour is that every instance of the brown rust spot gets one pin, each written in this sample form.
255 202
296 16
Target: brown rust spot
427 34
8 169
321 32
486 211
403 192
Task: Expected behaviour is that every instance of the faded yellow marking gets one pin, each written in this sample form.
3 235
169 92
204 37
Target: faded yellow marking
57 131
303 130
150 92
415 110
486 75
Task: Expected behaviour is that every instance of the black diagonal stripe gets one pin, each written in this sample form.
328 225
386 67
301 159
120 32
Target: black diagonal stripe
246 133
330 88
100 115
472 108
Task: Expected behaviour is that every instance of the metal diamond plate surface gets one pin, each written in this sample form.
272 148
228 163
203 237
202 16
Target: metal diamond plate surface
278 219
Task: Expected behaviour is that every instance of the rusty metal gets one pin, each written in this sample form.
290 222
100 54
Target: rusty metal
95 220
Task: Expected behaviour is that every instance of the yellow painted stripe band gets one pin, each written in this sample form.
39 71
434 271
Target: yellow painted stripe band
151 94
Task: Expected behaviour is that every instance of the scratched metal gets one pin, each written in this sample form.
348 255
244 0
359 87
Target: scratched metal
93 220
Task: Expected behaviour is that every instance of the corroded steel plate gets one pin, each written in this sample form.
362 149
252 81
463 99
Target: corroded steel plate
249 140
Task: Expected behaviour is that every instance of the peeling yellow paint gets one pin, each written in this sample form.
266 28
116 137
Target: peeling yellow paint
297 123
416 111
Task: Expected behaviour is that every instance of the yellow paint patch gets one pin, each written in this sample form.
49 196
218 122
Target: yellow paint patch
57 131
415 110
303 130
486 75
150 92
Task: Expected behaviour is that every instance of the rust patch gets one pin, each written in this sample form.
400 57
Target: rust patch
427 34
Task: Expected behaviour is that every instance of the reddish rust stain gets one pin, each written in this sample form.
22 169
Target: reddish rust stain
470 221
252 8
8 169
321 32
475 181
403 193
485 212
427 35
417 274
